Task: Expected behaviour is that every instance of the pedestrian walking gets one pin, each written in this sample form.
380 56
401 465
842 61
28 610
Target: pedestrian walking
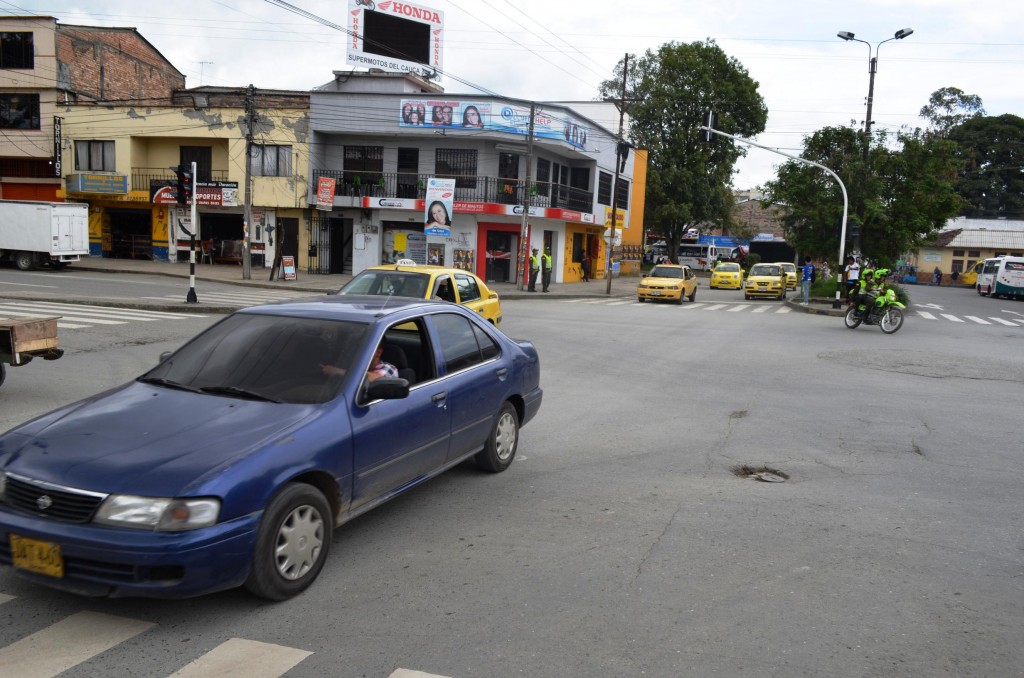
937 276
534 270
806 278
953 276
545 269
585 266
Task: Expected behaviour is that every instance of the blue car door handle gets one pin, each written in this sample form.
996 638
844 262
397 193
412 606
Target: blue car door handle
502 372
438 397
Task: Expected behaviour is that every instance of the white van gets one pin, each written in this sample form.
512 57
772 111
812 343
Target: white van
986 275
1009 279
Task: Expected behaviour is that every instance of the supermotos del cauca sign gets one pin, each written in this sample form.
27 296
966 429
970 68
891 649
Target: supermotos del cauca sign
395 36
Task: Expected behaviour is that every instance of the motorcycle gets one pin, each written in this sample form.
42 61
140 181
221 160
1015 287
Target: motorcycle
884 310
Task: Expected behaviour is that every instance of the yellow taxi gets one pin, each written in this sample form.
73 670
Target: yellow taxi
790 270
765 280
727 276
668 281
408 279
970 277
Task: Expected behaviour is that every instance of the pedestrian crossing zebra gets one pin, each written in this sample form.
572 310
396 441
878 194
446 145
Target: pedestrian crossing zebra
739 307
81 636
78 316
252 297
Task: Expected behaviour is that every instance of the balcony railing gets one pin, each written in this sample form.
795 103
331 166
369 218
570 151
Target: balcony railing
467 189
141 176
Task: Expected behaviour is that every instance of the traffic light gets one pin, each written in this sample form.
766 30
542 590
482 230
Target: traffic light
184 185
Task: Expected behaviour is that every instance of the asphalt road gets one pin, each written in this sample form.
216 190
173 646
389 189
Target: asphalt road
621 542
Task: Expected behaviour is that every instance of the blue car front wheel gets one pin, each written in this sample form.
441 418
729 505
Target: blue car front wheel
500 448
293 543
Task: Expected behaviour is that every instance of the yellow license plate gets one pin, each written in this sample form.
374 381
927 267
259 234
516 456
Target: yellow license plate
33 555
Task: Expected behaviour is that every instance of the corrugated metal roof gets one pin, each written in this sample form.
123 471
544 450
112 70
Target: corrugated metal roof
989 224
989 239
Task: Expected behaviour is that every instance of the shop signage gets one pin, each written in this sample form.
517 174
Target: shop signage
482 208
58 144
115 184
439 200
214 193
325 187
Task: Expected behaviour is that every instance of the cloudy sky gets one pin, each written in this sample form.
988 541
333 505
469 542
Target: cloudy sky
562 49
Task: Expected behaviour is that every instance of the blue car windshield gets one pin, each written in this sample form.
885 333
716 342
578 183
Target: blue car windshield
393 283
267 357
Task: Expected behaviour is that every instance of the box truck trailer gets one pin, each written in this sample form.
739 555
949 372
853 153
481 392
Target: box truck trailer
43 233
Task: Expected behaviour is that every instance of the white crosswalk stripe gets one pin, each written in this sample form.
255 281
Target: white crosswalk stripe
78 316
67 643
82 636
734 307
243 659
248 298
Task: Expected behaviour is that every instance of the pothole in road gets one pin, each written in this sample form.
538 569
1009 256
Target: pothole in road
763 473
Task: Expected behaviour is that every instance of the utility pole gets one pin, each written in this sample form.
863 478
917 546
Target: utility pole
524 229
250 118
619 146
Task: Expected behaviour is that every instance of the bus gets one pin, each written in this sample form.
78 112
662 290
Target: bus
702 257
986 275
1009 279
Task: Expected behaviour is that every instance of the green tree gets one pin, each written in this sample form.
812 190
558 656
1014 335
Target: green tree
669 91
992 176
949 107
907 192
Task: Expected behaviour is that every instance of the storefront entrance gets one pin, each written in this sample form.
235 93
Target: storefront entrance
130 234
501 253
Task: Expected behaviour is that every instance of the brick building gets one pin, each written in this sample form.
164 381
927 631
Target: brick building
44 64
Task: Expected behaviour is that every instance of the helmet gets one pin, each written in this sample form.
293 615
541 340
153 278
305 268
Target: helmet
869 273
881 273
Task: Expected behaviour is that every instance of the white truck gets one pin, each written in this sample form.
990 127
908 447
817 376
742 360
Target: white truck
36 233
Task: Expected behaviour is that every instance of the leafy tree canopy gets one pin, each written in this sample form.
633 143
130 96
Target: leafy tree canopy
992 176
669 91
948 107
907 191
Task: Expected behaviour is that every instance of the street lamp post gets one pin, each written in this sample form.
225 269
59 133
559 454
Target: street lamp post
872 69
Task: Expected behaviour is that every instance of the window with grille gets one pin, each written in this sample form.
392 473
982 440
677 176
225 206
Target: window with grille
622 199
958 253
604 188
271 161
94 156
974 253
365 162
458 163
19 111
16 50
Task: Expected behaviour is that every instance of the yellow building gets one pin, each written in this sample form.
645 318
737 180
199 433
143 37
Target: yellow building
122 159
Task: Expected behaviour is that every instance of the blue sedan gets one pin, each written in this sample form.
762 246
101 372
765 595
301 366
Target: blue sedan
232 461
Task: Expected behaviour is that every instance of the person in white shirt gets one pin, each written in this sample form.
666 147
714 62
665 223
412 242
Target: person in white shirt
852 272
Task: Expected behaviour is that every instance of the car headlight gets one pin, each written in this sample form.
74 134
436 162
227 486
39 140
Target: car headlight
158 513
673 287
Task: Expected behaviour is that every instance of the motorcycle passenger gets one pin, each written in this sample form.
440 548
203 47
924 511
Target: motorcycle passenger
865 287
883 289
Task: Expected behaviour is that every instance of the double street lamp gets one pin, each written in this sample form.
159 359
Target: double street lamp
872 68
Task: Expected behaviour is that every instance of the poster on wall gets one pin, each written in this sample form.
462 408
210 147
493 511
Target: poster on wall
440 196
475 115
435 254
463 259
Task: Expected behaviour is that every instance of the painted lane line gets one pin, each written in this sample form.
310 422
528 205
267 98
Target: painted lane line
1004 322
977 320
105 310
715 307
951 317
926 314
761 309
64 316
740 307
